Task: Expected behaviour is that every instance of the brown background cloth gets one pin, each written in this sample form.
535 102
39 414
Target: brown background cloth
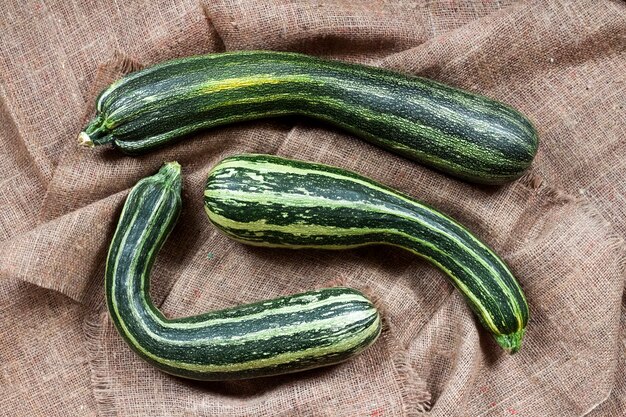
561 227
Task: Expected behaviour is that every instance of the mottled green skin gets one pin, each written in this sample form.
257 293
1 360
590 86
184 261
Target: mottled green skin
288 334
270 201
457 132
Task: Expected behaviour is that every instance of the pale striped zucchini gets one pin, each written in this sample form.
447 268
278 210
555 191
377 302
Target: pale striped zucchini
457 132
271 201
288 334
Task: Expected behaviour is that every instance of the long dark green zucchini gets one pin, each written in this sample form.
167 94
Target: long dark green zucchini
288 334
462 134
271 201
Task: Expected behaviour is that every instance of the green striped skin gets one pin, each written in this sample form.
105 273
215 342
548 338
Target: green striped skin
462 134
288 334
271 201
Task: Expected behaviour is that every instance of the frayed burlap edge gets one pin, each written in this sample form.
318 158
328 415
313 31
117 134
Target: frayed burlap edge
416 399
100 379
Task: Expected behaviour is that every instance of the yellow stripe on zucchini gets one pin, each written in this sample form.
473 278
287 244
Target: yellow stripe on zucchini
460 133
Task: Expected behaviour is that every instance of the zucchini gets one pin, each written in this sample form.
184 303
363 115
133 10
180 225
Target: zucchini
266 200
457 132
287 334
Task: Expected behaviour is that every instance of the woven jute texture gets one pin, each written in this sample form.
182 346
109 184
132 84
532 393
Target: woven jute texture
561 227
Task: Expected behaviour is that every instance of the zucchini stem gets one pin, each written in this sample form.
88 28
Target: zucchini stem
95 133
511 342
85 140
170 173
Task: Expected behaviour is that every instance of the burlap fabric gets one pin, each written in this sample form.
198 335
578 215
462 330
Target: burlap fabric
561 227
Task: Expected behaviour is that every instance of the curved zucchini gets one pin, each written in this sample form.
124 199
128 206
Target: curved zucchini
457 132
288 334
271 201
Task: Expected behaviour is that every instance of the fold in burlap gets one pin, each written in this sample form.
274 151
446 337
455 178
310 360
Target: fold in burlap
561 227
